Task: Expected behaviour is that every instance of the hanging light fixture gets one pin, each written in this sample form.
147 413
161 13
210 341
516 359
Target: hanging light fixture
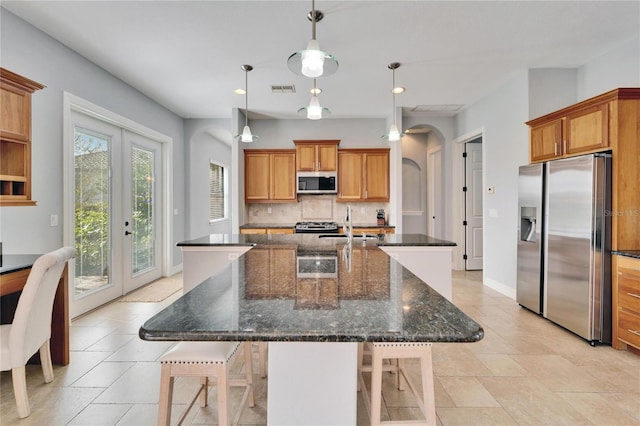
394 134
314 111
313 62
246 135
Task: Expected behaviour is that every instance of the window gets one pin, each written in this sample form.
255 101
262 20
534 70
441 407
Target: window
217 192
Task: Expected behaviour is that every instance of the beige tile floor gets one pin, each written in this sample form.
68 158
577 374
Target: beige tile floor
525 371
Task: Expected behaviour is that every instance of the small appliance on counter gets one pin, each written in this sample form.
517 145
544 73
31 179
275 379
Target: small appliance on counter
380 217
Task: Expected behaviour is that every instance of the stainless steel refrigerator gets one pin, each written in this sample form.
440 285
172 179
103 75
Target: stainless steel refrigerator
573 246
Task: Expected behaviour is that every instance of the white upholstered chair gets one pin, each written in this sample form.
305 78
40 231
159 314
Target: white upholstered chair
30 330
205 360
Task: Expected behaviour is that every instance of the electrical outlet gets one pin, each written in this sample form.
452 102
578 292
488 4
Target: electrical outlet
363 210
269 210
53 220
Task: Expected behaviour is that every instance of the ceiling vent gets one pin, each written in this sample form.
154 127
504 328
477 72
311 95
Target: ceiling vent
436 109
288 88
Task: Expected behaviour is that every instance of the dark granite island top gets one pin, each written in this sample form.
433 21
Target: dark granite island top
397 307
260 296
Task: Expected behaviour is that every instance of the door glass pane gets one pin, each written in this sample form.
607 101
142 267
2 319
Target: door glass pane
142 193
92 211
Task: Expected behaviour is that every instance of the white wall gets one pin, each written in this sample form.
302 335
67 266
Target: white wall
35 55
505 147
206 141
502 113
618 68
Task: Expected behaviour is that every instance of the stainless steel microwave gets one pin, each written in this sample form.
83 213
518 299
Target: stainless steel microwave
317 183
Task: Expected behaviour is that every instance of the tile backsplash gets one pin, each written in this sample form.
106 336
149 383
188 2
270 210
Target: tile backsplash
313 208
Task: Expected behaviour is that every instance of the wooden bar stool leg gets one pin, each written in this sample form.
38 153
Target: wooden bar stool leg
166 396
428 392
376 385
248 369
204 393
223 395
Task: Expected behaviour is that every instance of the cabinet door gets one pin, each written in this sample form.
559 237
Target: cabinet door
256 176
587 130
546 141
327 158
306 158
350 186
15 120
377 176
283 176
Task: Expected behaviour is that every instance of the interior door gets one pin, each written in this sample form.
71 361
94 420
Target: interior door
116 182
434 192
473 221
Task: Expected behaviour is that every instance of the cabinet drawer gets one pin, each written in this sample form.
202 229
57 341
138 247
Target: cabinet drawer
629 328
629 289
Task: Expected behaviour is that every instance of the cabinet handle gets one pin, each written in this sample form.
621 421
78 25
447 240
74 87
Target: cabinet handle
564 146
319 168
555 148
637 296
637 333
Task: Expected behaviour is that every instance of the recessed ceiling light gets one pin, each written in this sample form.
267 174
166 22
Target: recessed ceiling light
239 91
398 90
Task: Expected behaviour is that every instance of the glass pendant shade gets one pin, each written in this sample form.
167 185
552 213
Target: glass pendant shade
394 133
313 62
246 135
314 110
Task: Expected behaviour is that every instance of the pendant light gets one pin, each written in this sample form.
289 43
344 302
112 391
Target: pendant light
314 111
313 62
394 134
246 135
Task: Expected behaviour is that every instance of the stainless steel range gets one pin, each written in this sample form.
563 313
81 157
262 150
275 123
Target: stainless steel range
316 228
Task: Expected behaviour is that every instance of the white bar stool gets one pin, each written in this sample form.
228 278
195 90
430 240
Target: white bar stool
398 351
204 360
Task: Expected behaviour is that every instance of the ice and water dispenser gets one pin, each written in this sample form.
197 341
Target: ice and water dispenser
528 224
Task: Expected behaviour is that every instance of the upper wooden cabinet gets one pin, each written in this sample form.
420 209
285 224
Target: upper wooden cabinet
579 129
316 155
270 176
363 175
15 138
608 122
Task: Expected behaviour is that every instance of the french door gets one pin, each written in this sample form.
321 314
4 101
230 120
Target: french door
117 212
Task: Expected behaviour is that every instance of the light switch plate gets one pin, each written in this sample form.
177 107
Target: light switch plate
53 220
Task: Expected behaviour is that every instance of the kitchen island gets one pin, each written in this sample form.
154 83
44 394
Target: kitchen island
312 299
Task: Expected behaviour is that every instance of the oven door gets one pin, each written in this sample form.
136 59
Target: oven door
317 266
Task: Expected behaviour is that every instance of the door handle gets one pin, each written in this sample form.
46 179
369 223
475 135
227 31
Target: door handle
127 233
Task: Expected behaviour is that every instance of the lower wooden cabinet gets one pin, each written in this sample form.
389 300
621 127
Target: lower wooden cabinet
272 231
626 302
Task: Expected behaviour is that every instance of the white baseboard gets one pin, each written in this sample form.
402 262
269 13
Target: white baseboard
500 288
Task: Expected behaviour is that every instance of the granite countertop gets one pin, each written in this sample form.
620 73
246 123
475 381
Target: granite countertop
408 240
627 253
370 298
291 225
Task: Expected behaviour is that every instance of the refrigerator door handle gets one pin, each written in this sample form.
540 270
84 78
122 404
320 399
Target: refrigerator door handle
532 230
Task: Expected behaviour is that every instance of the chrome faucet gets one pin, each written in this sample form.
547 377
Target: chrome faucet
347 227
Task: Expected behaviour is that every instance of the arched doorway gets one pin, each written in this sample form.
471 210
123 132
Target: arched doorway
422 181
